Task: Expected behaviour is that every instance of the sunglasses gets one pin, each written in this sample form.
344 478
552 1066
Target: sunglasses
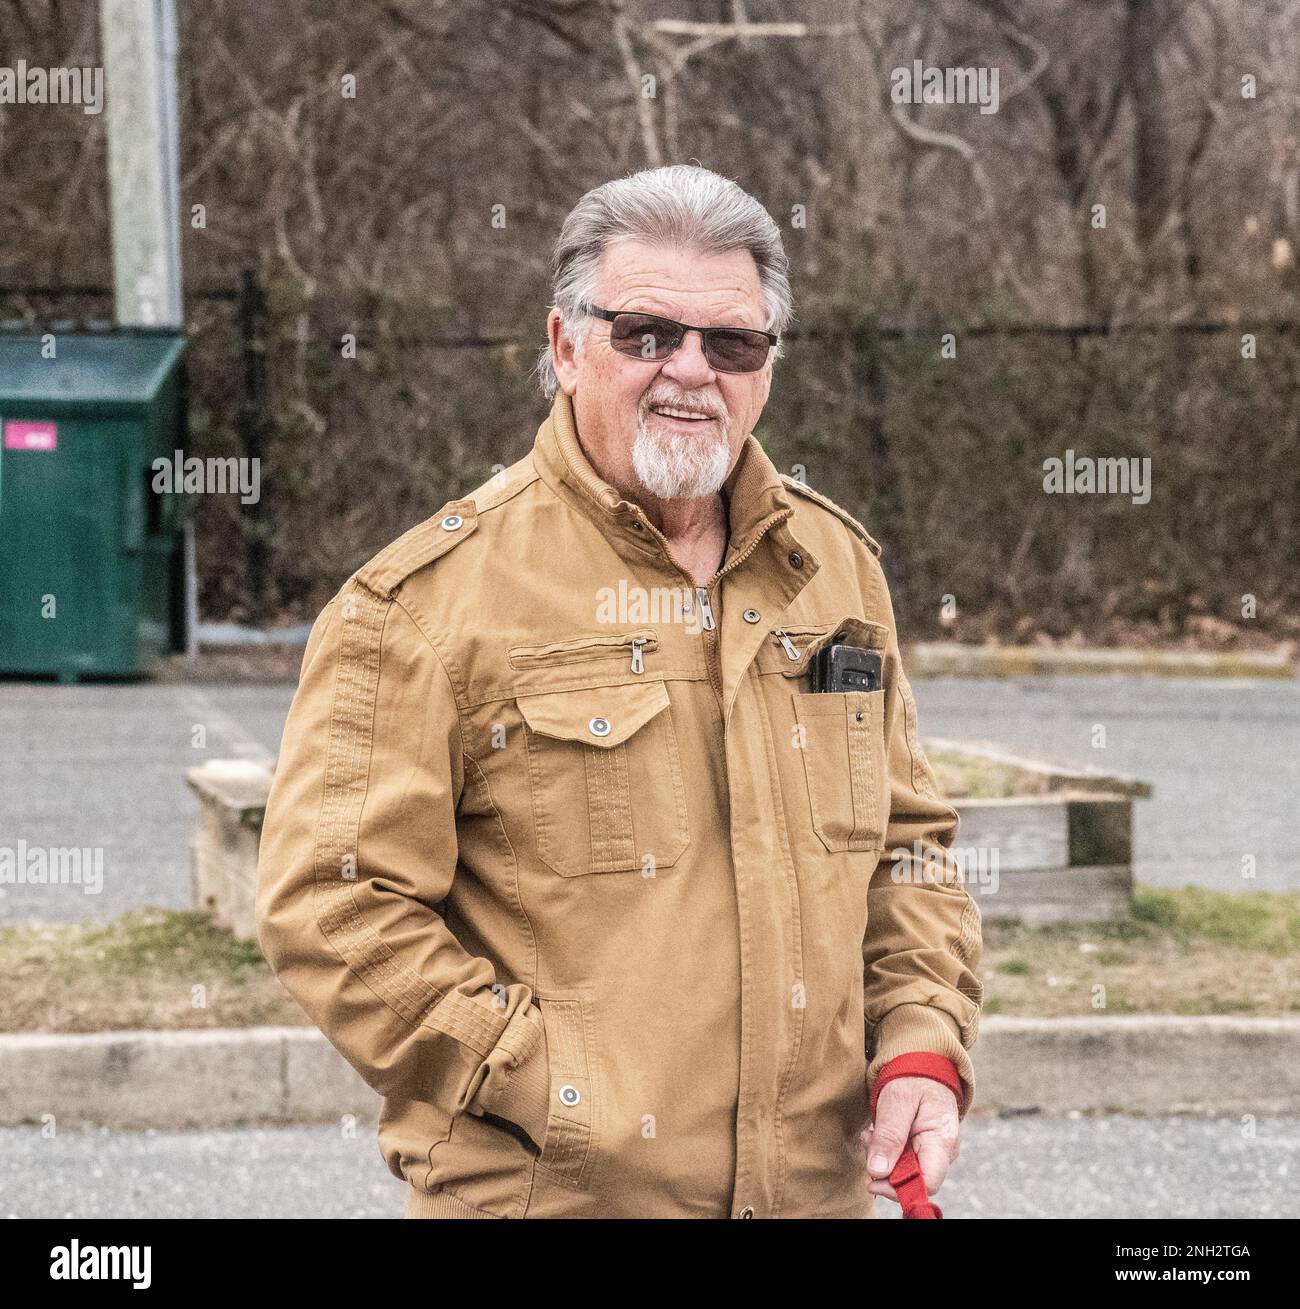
649 337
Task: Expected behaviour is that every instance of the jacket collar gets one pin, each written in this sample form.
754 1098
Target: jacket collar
756 498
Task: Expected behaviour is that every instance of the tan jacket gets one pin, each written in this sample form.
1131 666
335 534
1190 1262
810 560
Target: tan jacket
594 891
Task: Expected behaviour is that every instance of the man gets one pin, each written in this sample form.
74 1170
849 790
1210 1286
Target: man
564 853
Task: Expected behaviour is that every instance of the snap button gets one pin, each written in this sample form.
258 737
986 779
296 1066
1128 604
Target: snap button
747 1211
599 727
569 1094
752 615
451 522
796 559
858 715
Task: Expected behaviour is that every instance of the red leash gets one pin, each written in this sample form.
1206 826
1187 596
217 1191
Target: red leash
909 1186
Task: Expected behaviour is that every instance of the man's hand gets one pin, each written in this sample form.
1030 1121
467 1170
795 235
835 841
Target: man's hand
924 1111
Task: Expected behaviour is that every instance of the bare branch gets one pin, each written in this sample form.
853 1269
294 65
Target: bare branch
734 31
1037 52
632 68
928 137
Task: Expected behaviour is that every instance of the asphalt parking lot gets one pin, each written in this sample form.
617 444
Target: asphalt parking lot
1024 1167
102 767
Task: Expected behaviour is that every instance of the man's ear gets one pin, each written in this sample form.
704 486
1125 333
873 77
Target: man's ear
563 353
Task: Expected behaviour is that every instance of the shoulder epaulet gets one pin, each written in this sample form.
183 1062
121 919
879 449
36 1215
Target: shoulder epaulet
424 543
827 503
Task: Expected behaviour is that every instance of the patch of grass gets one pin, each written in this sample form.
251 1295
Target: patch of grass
1185 951
142 941
1109 958
150 968
1189 951
1255 920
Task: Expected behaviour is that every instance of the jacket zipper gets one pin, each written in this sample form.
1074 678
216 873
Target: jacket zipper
787 645
569 652
702 593
710 639
820 635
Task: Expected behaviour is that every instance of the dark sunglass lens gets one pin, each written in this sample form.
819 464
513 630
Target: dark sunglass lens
643 337
735 351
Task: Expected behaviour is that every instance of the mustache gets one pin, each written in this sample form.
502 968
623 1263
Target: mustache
686 406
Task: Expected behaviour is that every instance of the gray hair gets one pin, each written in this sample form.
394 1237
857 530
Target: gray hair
681 206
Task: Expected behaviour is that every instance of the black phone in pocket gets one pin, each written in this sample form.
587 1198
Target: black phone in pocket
837 667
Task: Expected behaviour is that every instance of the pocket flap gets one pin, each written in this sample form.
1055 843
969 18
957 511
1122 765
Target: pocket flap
808 638
603 716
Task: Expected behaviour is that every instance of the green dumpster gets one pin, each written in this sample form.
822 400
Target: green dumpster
91 556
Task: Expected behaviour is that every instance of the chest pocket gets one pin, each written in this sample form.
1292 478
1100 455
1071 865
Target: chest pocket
606 778
842 737
843 748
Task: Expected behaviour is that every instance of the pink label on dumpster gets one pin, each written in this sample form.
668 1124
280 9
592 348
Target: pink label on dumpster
22 435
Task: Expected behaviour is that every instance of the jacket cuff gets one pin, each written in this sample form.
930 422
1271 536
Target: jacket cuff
916 1028
523 1096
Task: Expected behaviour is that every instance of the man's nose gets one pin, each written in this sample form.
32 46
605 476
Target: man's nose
687 365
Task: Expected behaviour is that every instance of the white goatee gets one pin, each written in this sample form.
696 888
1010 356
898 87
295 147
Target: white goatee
679 465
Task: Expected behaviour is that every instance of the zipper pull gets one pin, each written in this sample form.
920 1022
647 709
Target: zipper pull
787 645
703 593
638 662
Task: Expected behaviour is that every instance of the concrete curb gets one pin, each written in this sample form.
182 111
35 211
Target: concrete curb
169 1080
231 1077
952 659
1139 1064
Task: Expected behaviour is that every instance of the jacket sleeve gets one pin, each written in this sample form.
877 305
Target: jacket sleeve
359 849
924 936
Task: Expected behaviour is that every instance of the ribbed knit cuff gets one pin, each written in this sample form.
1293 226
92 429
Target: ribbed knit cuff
440 1204
910 1028
524 1095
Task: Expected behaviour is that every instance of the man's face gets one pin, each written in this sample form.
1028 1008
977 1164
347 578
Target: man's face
619 401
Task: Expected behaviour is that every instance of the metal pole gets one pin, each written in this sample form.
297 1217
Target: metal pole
139 51
252 422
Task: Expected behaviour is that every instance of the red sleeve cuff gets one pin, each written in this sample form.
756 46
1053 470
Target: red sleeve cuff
922 1063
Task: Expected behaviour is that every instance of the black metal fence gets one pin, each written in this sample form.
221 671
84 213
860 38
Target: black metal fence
943 462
